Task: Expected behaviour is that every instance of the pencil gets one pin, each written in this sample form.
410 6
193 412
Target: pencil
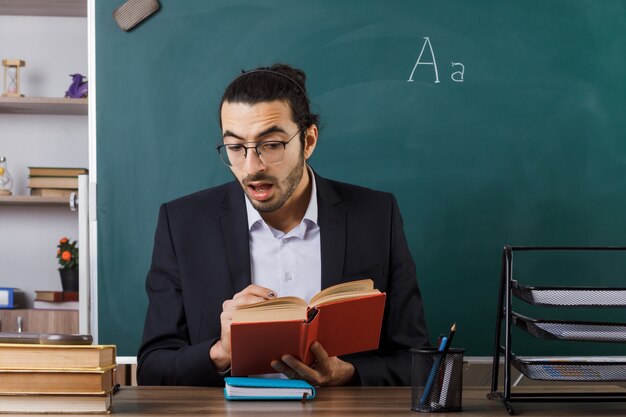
442 366
450 336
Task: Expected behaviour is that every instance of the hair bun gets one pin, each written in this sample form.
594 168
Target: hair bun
295 74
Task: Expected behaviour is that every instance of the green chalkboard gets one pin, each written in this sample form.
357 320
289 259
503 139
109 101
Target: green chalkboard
516 136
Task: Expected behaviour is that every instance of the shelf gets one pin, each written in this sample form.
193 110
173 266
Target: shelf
589 368
69 8
585 331
570 296
43 105
40 321
32 200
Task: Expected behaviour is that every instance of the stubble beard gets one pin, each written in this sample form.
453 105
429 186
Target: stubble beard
291 182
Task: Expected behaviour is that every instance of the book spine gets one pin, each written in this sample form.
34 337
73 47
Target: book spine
308 335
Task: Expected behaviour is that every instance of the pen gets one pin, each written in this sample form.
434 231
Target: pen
433 371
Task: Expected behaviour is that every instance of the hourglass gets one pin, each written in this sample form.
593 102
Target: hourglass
12 77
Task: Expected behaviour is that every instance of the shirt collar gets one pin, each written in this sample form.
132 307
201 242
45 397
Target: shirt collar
310 216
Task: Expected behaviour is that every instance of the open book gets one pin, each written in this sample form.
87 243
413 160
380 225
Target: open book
345 318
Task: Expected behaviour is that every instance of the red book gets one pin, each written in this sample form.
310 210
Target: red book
345 318
56 296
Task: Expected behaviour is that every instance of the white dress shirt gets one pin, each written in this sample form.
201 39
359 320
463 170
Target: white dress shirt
288 263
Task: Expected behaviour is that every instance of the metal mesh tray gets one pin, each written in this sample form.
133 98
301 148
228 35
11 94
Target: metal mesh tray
571 330
591 368
570 296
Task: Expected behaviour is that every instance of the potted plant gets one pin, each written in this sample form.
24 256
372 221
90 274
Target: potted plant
67 254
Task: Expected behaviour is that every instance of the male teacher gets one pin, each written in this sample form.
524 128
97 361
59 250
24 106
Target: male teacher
279 229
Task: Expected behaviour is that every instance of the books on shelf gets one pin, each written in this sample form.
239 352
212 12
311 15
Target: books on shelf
56 300
53 182
56 172
42 295
11 297
345 318
68 403
237 388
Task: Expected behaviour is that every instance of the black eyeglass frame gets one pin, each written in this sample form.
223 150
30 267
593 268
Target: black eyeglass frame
256 148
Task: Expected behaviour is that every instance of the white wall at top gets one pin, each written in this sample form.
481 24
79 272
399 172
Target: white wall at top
53 48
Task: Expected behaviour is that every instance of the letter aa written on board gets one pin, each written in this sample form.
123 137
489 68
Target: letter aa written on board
457 76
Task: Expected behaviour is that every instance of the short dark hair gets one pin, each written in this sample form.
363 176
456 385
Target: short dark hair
278 82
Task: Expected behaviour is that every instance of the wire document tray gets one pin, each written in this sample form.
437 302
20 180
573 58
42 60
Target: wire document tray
584 331
569 369
570 296
590 369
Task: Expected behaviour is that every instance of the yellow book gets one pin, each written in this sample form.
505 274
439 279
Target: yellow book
56 381
56 171
48 404
53 182
34 356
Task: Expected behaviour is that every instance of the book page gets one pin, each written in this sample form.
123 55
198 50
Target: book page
345 296
348 289
294 308
279 309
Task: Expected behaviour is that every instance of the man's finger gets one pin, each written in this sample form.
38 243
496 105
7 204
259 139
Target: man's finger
245 300
299 367
321 356
265 293
284 369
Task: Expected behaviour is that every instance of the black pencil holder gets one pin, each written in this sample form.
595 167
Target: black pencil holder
437 380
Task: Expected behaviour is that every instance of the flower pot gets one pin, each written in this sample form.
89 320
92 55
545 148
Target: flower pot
69 279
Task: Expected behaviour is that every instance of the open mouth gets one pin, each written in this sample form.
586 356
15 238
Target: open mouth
260 191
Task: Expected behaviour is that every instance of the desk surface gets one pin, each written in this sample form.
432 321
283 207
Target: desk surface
344 401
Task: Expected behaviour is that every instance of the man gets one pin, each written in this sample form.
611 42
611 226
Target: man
278 230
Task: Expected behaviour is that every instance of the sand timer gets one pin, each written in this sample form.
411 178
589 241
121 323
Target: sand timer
12 77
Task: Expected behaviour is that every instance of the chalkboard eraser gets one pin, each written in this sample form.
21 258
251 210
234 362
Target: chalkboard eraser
133 12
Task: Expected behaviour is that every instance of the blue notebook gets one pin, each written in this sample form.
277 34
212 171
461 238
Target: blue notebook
242 388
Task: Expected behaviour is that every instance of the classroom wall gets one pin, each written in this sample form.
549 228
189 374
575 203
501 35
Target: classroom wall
517 138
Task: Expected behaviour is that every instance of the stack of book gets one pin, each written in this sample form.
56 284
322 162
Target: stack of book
54 182
56 378
56 300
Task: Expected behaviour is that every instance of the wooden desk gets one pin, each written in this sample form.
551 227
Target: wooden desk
186 401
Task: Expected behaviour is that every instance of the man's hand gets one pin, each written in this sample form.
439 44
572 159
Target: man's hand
220 351
326 371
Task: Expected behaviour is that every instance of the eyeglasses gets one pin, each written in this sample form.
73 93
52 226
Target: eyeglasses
270 152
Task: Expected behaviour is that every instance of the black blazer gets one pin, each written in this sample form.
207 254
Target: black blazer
201 258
